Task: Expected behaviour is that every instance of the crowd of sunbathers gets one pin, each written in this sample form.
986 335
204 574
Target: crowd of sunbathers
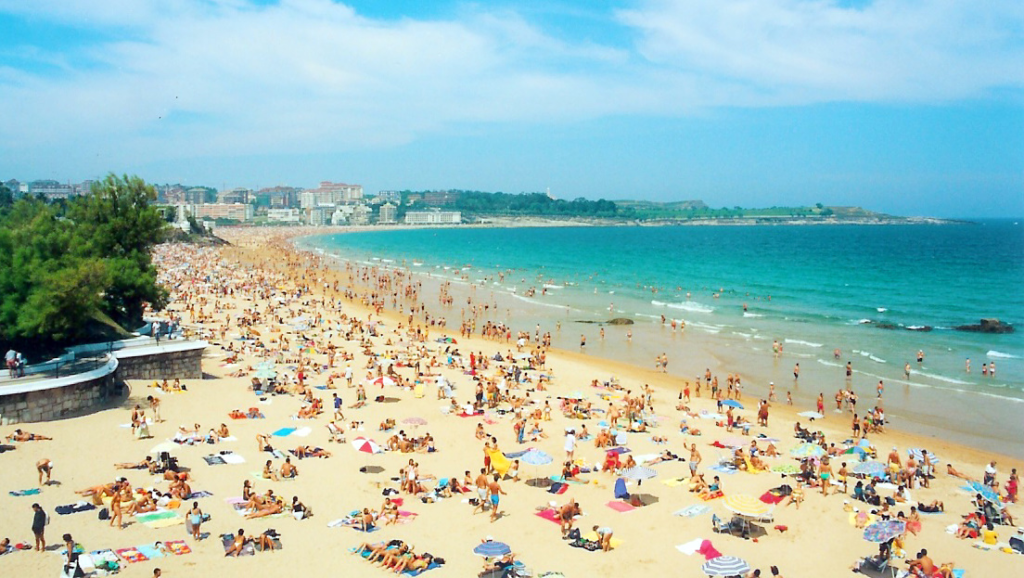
396 556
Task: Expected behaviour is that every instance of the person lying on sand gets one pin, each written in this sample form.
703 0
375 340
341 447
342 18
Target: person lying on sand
307 452
23 436
146 464
269 508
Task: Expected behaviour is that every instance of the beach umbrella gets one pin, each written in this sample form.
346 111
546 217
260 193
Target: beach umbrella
264 373
986 493
859 451
384 380
884 531
810 414
726 566
414 421
732 403
492 549
919 456
366 446
536 458
807 451
733 442
745 505
639 473
871 469
786 469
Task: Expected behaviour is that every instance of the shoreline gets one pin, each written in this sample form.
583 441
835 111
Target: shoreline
930 411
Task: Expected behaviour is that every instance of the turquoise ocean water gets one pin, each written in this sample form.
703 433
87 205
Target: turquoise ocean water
830 287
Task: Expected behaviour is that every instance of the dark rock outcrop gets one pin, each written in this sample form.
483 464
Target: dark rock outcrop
986 326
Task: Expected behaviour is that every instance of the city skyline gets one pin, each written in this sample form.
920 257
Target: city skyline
902 107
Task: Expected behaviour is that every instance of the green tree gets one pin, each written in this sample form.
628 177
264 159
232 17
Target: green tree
118 224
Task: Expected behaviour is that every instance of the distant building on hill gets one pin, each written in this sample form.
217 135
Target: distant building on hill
50 189
284 215
440 198
389 197
241 212
433 218
388 212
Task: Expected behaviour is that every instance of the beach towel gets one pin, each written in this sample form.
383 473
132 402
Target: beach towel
178 547
227 540
550 515
621 507
200 494
214 460
166 522
674 482
151 551
593 537
712 496
690 548
707 550
302 432
284 432
131 555
499 462
723 470
29 492
770 498
232 458
464 414
565 481
692 511
558 488
74 508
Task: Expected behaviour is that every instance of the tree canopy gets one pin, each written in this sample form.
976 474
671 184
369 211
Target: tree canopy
64 265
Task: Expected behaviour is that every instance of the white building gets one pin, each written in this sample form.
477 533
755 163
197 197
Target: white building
433 218
284 215
388 212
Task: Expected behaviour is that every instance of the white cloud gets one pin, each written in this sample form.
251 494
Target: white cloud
795 51
196 78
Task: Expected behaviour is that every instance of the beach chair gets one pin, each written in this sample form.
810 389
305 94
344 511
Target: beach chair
768 516
720 526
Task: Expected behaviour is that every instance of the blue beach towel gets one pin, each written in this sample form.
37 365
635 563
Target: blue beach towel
29 492
284 432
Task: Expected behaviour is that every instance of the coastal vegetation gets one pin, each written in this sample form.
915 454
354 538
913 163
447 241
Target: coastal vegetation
72 269
483 205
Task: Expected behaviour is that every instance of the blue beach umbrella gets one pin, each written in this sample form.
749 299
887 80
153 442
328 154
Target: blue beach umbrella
536 458
870 469
884 531
986 493
726 566
732 403
492 549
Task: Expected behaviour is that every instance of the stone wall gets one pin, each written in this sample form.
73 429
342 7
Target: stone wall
157 365
63 397
49 399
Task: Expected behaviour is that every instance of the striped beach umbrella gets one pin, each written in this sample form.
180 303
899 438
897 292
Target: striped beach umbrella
986 493
918 454
384 380
492 549
745 505
726 566
639 473
732 403
807 451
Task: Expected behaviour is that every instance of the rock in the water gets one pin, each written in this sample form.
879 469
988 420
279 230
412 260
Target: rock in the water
620 321
987 326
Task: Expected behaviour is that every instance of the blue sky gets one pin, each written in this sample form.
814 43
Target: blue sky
904 106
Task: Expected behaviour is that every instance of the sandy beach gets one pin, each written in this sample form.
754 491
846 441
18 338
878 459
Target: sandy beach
245 299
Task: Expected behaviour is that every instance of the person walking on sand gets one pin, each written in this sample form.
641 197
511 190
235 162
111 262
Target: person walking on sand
495 492
154 404
195 520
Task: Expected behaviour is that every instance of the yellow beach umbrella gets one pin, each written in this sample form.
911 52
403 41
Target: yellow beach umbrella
745 505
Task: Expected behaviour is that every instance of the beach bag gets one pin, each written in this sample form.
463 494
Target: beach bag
620 489
574 534
104 514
